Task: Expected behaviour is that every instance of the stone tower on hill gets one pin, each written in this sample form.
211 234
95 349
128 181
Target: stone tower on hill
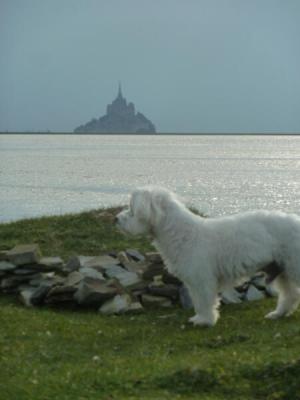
120 117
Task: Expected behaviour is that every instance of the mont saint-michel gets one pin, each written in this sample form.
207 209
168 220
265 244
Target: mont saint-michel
120 117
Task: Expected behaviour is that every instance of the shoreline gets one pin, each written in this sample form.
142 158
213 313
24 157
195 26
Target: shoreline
154 134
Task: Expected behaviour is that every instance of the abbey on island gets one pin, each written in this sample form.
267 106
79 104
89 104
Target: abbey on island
120 117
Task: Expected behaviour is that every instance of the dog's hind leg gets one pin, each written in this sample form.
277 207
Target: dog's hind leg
205 301
288 297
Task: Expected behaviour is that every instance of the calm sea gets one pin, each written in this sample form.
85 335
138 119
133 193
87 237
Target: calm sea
56 174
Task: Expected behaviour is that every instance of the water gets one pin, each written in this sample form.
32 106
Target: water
56 174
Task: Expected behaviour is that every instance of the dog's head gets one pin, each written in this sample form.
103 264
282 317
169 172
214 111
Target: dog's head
146 210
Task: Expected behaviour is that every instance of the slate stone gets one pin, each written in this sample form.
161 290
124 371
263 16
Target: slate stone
24 271
91 273
34 296
48 277
94 292
74 278
3 255
128 279
270 291
24 254
254 294
113 270
152 270
154 257
6 266
185 298
231 296
123 258
51 263
170 279
150 300
60 294
76 262
259 282
12 282
26 295
132 266
135 255
101 262
120 304
170 291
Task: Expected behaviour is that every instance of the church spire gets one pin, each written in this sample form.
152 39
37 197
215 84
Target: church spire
120 90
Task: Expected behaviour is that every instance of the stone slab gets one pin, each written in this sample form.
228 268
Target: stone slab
24 254
6 266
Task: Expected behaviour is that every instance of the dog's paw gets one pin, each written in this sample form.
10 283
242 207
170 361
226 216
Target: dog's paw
198 320
273 315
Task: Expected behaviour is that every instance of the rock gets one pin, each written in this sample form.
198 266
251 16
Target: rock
12 282
120 304
132 266
135 255
170 291
168 278
149 300
254 294
154 257
26 295
6 266
157 281
94 292
123 257
101 262
34 296
48 277
3 255
231 296
24 271
259 281
76 262
185 298
74 278
120 117
113 270
91 273
152 270
125 278
24 254
271 291
51 263
128 279
60 294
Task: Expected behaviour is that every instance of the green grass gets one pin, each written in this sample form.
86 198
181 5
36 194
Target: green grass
87 233
50 354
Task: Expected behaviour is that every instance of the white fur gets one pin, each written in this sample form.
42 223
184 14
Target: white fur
212 254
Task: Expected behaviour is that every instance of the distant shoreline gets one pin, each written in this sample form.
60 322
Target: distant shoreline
154 134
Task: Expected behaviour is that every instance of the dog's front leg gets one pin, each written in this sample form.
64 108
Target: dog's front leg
205 301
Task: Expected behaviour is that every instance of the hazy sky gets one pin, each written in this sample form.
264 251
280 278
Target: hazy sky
188 65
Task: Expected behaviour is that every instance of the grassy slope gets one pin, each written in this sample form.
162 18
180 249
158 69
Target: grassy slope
88 233
47 354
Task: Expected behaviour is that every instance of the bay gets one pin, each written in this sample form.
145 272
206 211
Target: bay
57 174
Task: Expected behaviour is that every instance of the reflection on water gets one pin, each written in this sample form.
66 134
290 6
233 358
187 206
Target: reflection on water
217 174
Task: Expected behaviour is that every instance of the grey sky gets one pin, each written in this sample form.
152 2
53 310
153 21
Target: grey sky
188 65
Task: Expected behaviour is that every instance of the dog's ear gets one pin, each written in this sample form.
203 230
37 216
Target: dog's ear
141 204
159 202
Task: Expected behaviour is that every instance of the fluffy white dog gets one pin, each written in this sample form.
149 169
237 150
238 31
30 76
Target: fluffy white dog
212 254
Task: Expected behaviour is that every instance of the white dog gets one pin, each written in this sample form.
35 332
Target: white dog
212 254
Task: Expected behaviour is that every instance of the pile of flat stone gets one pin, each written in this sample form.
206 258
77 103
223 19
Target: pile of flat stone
112 283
